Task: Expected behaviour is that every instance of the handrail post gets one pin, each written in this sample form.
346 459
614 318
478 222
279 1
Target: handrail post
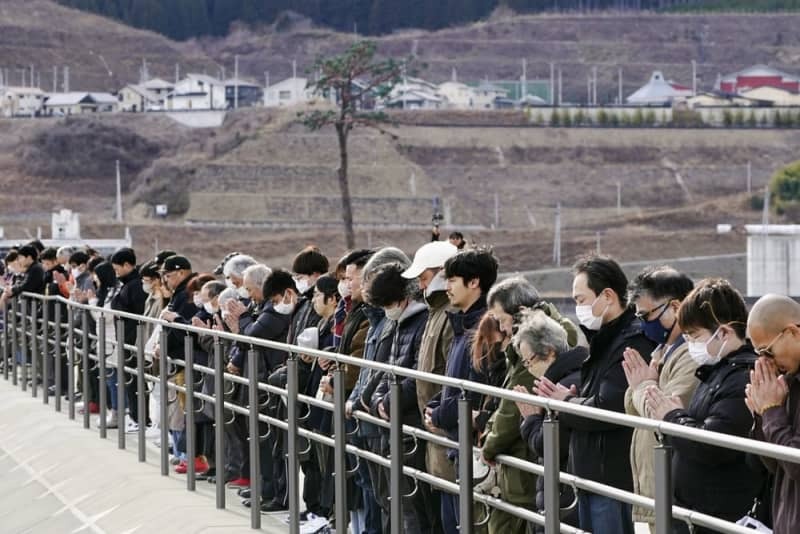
70 364
46 367
14 339
6 333
254 442
34 348
24 321
293 469
85 371
163 388
120 331
339 450
396 454
219 422
662 457
188 375
466 519
552 468
141 389
101 361
57 356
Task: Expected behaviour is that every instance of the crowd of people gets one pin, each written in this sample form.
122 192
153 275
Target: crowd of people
661 346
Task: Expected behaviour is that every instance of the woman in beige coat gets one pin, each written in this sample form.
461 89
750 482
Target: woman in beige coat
657 294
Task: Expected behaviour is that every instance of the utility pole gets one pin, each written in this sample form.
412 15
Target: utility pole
619 198
119 195
66 79
552 84
619 96
559 86
597 238
588 90
236 81
496 211
594 86
749 177
557 237
694 78
55 79
177 73
765 214
524 88
294 68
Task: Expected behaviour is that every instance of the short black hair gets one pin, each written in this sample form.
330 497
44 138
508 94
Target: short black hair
277 283
714 302
478 263
38 245
358 257
94 262
215 287
662 282
90 251
29 251
603 272
310 261
387 285
123 256
11 256
328 286
49 254
78 258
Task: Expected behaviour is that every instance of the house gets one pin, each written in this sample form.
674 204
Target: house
197 91
289 92
250 94
457 95
415 99
713 99
486 93
758 76
658 92
76 103
775 96
21 101
159 87
136 99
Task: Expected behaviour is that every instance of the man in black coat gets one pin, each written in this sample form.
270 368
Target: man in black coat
130 299
32 281
176 272
600 451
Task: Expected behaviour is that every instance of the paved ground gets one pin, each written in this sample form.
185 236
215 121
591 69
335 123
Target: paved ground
56 477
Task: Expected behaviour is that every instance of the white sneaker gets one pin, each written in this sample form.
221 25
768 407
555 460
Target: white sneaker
153 432
130 425
111 420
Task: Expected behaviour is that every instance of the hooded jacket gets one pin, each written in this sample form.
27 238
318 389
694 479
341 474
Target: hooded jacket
600 451
130 299
182 305
716 480
377 320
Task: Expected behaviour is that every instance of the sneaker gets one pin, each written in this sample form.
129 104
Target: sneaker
239 483
111 420
273 506
176 461
153 432
200 466
94 408
244 493
131 427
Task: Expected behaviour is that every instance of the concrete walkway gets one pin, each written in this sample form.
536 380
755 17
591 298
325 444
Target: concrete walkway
56 477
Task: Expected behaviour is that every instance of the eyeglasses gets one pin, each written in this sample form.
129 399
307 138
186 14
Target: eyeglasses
767 351
643 315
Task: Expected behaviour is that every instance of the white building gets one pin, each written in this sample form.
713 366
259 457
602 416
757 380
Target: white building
77 103
159 87
659 92
21 101
457 95
197 91
416 99
777 96
136 99
487 93
289 92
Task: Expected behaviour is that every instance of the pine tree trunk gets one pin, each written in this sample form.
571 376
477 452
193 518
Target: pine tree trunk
344 188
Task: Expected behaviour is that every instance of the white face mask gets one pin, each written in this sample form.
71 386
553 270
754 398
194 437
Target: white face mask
284 308
698 351
75 273
302 285
587 317
394 313
198 302
438 283
243 293
344 289
147 288
209 308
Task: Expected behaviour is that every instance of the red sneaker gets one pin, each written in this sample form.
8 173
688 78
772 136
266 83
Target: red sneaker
239 483
201 466
94 407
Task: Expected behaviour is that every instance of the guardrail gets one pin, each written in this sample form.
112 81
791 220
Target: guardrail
20 338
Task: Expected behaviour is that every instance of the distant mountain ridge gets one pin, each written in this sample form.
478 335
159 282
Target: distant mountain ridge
184 19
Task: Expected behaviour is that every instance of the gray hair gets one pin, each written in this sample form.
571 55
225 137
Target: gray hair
513 294
541 333
66 251
225 296
383 257
257 274
214 288
237 265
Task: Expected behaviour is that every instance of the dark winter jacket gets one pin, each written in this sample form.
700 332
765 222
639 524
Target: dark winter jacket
182 305
264 323
405 353
377 320
130 299
709 479
600 451
353 339
459 365
30 282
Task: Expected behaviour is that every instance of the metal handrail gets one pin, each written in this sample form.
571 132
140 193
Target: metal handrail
551 406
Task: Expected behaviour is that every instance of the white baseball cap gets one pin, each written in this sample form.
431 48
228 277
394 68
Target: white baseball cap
430 256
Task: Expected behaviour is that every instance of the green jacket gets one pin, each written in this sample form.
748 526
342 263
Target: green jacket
433 351
503 437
